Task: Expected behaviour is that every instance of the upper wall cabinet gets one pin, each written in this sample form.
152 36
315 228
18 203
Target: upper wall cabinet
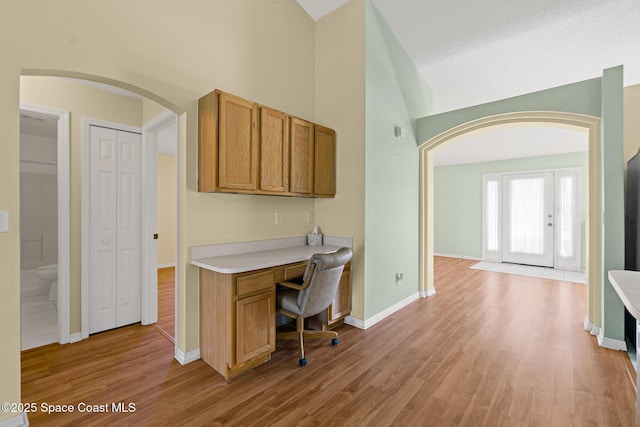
274 151
302 166
324 162
245 147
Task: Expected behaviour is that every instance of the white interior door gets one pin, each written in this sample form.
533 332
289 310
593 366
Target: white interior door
528 223
114 240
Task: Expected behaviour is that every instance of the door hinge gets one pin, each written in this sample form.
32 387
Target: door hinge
155 236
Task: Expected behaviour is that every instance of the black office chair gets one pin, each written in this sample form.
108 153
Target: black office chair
315 294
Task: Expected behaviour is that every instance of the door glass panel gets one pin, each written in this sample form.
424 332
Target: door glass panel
493 216
566 215
527 216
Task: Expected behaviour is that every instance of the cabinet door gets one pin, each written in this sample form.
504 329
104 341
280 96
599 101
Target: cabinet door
238 143
208 143
341 305
325 162
301 166
274 150
255 326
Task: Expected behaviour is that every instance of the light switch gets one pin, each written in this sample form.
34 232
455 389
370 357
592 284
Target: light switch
4 221
278 217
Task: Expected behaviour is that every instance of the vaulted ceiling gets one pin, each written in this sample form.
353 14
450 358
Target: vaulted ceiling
473 52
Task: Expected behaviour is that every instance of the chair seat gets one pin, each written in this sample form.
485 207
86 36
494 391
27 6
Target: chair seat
287 299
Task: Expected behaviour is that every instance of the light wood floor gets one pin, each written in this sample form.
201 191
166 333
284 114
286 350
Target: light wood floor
166 303
488 349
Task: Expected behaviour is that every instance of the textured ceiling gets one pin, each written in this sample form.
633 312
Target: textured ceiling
475 52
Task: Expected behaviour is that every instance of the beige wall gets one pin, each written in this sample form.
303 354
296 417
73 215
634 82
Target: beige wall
340 103
166 209
261 50
631 121
82 101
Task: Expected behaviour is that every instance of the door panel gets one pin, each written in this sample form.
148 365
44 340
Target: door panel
102 229
114 240
528 219
129 225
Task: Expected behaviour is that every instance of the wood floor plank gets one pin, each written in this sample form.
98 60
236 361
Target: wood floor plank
488 349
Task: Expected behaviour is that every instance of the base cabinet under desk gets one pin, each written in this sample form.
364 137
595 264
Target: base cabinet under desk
237 315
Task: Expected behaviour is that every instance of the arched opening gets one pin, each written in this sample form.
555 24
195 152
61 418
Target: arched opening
593 252
149 130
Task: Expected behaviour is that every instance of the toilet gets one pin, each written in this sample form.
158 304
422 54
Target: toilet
50 273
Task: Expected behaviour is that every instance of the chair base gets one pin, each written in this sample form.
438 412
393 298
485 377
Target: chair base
300 334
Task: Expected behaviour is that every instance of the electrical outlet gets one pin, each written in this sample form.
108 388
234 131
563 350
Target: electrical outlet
278 217
399 278
309 217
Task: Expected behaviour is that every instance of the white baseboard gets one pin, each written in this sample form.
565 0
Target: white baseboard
75 337
354 321
611 343
187 357
382 315
428 293
19 420
473 258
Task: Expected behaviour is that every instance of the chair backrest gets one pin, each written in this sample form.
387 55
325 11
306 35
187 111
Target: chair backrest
325 271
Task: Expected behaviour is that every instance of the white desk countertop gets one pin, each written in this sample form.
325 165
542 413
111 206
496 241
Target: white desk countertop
627 285
242 262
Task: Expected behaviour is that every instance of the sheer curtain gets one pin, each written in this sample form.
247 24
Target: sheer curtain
527 216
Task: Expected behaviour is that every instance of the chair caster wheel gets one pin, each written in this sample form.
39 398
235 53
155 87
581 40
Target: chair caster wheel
334 341
303 361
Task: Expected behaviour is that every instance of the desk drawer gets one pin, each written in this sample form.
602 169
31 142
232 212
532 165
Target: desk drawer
294 271
256 282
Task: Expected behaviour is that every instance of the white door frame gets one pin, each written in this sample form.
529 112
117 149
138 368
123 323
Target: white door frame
150 210
85 253
64 245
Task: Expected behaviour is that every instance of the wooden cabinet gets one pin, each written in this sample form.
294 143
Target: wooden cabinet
340 307
274 151
238 315
237 320
302 155
245 147
324 162
228 144
255 315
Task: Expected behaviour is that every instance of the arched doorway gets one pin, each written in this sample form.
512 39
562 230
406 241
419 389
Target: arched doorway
590 123
172 110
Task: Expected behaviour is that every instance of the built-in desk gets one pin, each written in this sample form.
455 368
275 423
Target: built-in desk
237 297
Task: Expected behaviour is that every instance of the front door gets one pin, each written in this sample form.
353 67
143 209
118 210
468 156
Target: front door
528 223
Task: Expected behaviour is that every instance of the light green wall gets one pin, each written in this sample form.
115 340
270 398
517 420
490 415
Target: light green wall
613 199
396 96
458 199
580 98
